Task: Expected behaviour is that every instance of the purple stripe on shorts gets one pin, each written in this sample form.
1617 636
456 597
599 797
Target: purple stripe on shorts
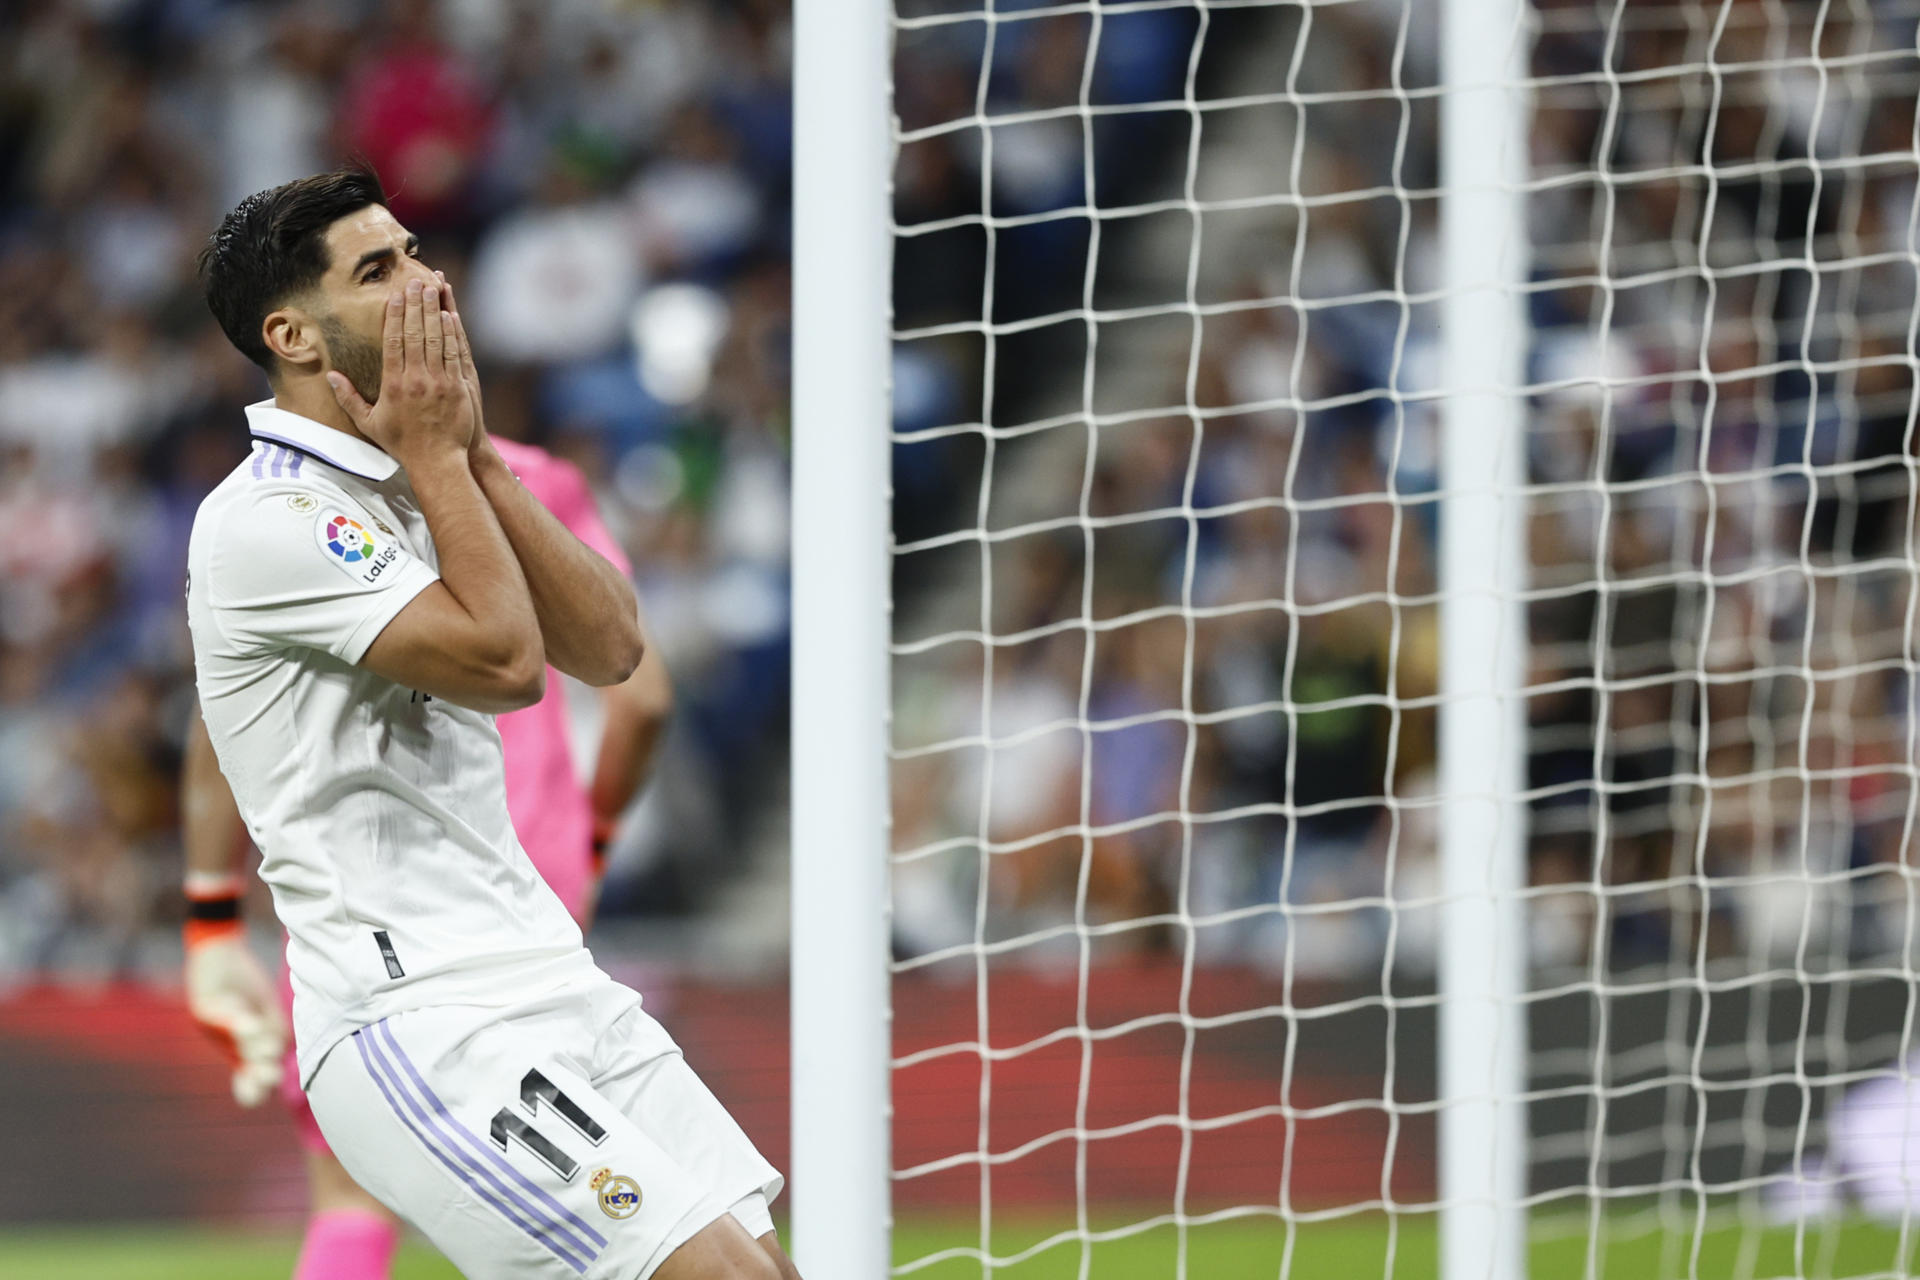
480 1192
528 1219
533 1188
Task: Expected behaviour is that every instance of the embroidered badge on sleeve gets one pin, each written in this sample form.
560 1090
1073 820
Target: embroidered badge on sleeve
357 551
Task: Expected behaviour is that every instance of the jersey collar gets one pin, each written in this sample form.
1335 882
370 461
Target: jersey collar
268 421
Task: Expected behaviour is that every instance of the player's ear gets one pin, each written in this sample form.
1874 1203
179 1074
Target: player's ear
291 334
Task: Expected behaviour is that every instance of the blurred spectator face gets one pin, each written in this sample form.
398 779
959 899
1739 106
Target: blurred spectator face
418 114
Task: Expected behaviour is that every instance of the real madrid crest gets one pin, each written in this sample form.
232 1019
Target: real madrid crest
301 502
619 1195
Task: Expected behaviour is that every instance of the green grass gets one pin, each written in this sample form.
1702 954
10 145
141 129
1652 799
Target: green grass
1356 1249
166 1253
1246 1249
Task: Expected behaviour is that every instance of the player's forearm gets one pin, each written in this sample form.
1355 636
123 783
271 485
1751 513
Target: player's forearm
210 825
637 715
589 617
477 563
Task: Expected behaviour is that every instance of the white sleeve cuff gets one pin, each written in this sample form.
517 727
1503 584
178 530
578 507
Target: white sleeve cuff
414 578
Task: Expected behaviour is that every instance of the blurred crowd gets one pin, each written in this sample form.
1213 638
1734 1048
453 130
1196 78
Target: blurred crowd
606 182
1202 535
1207 715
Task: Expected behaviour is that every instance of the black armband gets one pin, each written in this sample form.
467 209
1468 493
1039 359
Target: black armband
214 910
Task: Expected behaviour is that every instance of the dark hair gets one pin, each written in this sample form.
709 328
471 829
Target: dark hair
273 245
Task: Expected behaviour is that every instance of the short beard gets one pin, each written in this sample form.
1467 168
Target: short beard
361 361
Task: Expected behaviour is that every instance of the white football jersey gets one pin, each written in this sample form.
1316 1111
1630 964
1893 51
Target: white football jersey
380 813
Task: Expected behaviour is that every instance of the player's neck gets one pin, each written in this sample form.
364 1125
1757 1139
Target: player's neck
312 398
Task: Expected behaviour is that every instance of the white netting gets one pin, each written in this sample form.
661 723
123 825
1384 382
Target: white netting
1166 643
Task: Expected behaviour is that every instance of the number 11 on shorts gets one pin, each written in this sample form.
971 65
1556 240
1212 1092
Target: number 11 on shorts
509 1127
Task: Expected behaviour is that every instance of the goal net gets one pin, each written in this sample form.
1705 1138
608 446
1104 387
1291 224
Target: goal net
1170 387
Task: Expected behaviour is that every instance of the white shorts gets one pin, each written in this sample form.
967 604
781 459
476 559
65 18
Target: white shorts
563 1137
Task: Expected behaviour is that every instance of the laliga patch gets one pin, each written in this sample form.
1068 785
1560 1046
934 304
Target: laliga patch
619 1195
369 558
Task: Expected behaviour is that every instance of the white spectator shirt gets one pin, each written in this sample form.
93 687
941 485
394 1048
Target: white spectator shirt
380 813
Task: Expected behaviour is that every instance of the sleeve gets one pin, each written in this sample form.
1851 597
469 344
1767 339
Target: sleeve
573 505
294 568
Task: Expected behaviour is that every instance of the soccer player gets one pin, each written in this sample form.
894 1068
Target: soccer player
365 593
562 825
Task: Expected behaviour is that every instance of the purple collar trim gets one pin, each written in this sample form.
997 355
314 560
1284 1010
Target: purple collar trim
311 452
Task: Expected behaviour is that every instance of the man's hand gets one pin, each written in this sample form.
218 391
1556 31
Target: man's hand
231 998
481 450
425 402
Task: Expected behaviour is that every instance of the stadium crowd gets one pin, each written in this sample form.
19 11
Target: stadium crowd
1213 703
606 182
1248 619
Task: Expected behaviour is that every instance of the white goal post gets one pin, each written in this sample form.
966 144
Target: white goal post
1403 702
841 558
1482 577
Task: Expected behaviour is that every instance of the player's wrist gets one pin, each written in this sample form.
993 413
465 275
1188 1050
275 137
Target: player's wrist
601 842
432 453
213 907
490 470
438 469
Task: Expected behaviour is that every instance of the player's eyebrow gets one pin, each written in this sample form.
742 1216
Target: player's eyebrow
381 254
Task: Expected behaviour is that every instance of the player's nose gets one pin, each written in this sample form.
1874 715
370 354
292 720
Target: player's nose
415 269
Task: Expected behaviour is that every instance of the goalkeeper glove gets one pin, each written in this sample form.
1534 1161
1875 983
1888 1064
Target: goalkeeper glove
229 994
